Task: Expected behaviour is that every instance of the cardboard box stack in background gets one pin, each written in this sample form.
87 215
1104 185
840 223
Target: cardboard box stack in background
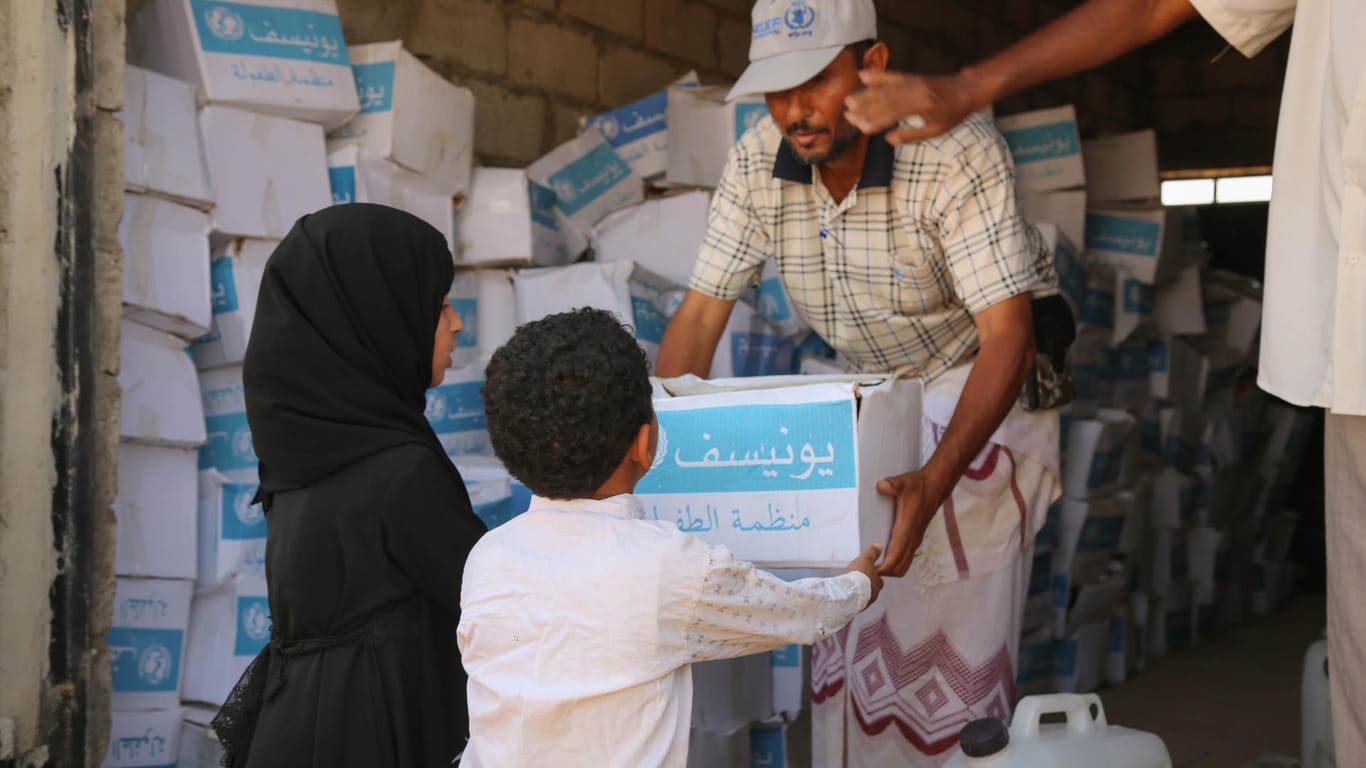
1168 526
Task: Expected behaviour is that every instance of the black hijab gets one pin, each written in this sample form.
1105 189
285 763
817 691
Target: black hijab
340 355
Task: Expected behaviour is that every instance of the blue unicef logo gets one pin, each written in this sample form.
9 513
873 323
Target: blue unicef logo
225 23
245 511
661 449
155 665
436 406
610 127
800 16
565 190
241 444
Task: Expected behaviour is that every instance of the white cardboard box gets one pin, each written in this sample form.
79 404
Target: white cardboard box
1046 148
1178 372
156 533
1122 168
780 470
1095 457
604 285
357 177
412 116
160 404
165 265
1134 301
490 488
232 530
235 279
1079 661
281 57
456 411
229 625
148 739
1035 668
199 747
775 306
1067 262
703 126
589 179
147 642
266 171
639 131
790 691
1129 239
731 692
1065 208
1089 535
714 749
162 153
229 447
662 234
751 346
654 300
497 309
509 221
464 298
1180 307
1133 380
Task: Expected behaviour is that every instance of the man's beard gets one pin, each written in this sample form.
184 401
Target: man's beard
837 145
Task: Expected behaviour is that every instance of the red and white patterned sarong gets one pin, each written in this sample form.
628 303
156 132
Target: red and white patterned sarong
938 648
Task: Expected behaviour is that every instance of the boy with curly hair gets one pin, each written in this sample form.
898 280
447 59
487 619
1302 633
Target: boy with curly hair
580 619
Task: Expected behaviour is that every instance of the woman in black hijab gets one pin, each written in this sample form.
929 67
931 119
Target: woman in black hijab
369 522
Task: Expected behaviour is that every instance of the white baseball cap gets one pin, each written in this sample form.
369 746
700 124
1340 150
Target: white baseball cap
793 40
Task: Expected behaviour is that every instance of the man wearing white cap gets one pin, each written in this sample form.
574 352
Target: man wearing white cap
912 261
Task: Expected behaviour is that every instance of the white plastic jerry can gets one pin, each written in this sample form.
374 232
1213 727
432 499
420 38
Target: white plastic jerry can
1316 717
1085 740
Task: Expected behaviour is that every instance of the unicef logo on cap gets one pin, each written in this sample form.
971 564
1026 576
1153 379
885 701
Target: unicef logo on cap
800 16
155 665
225 23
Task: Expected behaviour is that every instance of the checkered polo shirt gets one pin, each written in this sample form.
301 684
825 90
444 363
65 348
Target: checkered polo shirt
892 275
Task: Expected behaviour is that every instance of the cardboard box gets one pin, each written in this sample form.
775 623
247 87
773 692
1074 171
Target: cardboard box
232 530
709 749
662 234
199 747
654 300
1089 535
1122 168
1133 306
279 57
1174 499
1233 316
769 746
497 315
639 131
751 346
356 177
1064 208
772 301
156 532
162 153
1094 463
780 470
1092 375
1117 649
604 285
1037 651
589 179
229 625
235 280
1171 560
1046 148
464 298
1180 307
1098 301
229 448
165 265
791 694
509 221
731 692
456 411
160 403
1067 262
1133 381
412 116
490 489
1178 372
147 642
1128 239
148 739
1079 659
266 171
1202 549
703 127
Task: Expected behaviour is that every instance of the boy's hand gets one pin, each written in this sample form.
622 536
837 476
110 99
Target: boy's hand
866 564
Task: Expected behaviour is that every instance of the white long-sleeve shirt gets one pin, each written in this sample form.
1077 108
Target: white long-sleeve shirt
580 620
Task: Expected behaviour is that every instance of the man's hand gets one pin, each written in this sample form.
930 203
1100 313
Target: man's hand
941 102
916 504
866 564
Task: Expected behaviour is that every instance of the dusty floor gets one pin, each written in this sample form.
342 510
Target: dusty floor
1231 698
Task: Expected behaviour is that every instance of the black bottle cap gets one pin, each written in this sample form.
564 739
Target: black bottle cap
984 738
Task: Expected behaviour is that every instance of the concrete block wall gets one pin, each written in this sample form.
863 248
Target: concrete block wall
536 66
